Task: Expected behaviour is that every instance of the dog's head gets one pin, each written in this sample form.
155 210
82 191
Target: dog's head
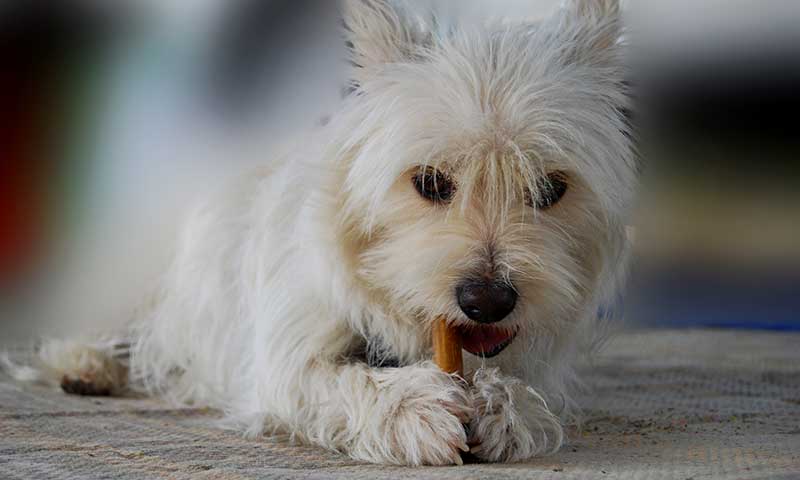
487 167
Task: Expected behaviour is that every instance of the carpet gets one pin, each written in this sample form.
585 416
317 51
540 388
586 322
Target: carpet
677 404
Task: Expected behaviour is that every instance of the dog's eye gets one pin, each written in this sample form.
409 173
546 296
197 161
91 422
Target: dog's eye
551 189
434 185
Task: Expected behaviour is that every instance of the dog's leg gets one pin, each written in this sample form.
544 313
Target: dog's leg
512 421
412 415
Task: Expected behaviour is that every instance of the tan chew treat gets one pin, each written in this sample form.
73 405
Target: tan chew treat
447 347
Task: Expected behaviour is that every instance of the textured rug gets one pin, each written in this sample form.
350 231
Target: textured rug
663 404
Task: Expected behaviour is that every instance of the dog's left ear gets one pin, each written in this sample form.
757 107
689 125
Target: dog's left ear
379 32
594 27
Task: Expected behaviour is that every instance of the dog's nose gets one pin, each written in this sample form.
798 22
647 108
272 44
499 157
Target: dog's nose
486 302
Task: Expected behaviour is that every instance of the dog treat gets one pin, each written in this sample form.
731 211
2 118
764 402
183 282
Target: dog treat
447 347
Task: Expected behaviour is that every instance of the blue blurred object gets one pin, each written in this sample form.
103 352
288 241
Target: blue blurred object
691 296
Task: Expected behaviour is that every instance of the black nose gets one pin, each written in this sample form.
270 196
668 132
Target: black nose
486 302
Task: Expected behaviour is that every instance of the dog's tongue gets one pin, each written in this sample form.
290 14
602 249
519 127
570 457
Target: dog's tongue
485 340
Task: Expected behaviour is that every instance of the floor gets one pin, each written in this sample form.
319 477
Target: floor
675 404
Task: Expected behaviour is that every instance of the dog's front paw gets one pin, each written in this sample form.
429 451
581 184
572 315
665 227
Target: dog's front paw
511 421
419 418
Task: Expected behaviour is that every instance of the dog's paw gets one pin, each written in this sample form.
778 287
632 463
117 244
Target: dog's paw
511 421
419 420
82 369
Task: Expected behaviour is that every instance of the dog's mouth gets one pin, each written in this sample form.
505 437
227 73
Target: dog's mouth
485 340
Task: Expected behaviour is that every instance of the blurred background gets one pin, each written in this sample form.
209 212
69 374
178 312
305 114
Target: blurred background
115 114
718 224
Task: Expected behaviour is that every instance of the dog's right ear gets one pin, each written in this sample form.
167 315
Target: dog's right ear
592 28
378 32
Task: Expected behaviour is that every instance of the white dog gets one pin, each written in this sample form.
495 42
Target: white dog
482 173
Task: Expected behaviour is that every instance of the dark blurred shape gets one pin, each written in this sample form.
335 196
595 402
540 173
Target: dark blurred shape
259 40
41 43
748 99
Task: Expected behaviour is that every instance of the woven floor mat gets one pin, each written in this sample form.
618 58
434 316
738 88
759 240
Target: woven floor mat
662 404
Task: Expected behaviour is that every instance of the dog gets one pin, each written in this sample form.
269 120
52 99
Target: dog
481 172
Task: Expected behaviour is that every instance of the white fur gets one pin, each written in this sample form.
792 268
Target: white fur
281 277
511 420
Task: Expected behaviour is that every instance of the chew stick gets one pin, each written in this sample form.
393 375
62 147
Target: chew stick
447 347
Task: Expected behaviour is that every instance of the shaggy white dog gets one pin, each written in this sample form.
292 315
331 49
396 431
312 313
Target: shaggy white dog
480 172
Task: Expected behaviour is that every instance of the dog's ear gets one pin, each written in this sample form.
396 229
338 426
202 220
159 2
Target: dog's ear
595 28
379 32
594 8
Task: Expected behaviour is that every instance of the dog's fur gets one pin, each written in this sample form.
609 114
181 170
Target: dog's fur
286 281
